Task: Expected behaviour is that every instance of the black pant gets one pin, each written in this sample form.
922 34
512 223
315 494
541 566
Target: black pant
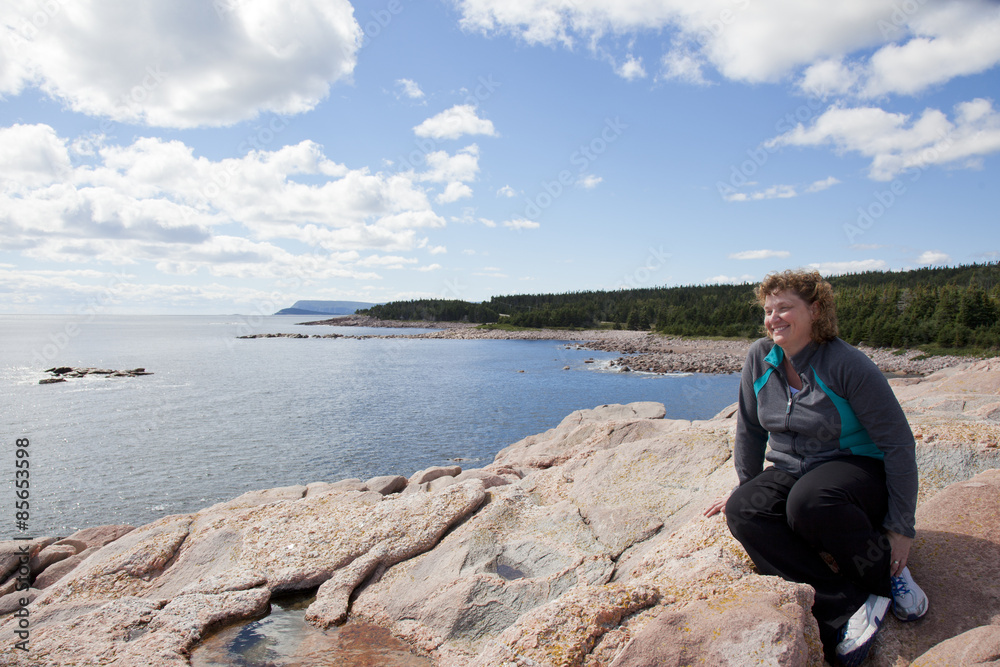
785 522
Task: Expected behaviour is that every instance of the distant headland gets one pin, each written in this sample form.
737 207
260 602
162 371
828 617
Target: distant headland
325 308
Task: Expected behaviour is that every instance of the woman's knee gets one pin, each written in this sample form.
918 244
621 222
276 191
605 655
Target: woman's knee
808 507
746 506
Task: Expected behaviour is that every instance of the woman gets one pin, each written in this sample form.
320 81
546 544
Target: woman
843 479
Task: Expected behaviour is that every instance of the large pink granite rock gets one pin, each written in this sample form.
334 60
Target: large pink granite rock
956 560
979 646
752 626
591 552
96 536
54 573
186 573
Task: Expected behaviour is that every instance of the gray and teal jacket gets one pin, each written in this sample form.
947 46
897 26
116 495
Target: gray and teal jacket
845 408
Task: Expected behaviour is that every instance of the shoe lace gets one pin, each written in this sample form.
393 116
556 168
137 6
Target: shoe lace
899 587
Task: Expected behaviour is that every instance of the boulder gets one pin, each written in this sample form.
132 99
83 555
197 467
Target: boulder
430 474
956 560
489 478
13 553
263 497
8 586
13 601
979 646
387 484
96 536
747 627
342 485
565 631
55 572
133 631
78 545
50 555
631 411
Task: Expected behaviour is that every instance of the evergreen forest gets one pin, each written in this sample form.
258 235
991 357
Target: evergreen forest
948 307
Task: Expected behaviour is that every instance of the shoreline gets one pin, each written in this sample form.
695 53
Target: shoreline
642 350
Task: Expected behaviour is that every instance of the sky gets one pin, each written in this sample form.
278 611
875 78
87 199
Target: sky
234 156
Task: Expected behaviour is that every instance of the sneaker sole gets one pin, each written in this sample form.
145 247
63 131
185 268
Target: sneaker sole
857 655
906 618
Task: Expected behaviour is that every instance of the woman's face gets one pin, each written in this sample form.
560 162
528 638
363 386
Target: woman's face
788 320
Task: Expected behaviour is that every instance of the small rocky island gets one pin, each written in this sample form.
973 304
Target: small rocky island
62 373
583 546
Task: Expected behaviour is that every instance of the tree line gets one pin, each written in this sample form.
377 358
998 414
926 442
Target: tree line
945 306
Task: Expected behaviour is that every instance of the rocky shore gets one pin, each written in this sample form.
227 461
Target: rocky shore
581 546
641 351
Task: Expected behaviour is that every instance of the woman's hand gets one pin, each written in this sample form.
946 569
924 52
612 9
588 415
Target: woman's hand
718 505
900 545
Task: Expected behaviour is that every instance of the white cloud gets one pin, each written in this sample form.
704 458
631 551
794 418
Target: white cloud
589 181
468 251
32 156
386 261
773 192
180 64
429 267
681 64
410 89
824 184
747 41
631 69
453 192
463 166
437 250
154 202
935 257
859 266
913 45
506 191
759 254
828 78
730 280
487 222
948 40
455 122
521 223
896 143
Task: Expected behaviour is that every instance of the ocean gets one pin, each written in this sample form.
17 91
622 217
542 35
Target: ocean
221 416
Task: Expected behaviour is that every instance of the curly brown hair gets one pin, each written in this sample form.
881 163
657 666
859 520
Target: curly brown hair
811 288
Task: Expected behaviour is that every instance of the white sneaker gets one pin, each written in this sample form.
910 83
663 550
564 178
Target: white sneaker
909 602
859 633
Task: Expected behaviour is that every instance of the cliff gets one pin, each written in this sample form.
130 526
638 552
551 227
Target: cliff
583 545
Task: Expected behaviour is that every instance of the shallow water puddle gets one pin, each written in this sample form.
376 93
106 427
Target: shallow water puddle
284 639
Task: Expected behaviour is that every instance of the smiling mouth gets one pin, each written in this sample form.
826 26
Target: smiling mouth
779 329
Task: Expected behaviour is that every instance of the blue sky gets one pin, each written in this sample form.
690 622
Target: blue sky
220 156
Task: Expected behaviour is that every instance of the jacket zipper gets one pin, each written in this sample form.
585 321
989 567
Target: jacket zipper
788 409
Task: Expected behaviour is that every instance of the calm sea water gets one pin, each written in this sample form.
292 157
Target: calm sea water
222 416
